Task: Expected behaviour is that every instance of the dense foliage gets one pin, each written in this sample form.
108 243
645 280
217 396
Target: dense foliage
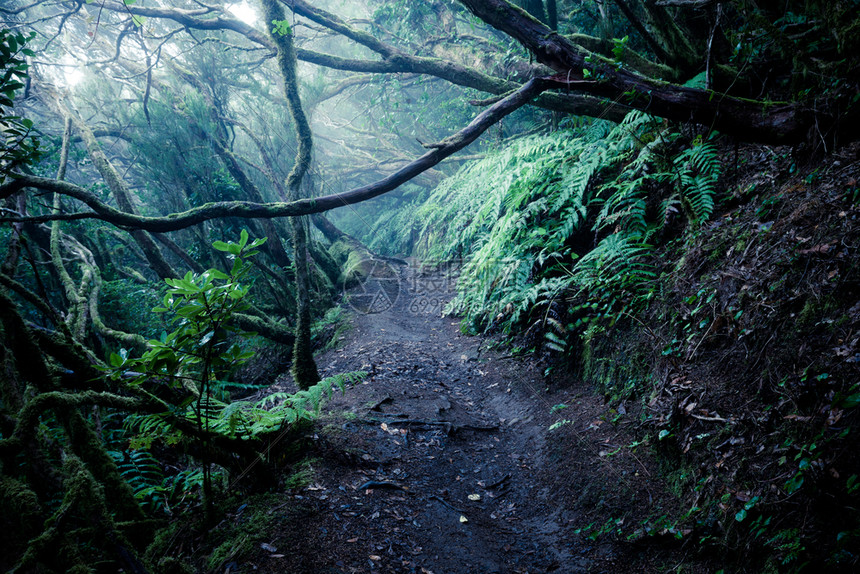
138 140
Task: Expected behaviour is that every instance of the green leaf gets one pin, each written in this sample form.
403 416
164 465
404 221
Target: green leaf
281 28
698 81
794 484
850 401
216 274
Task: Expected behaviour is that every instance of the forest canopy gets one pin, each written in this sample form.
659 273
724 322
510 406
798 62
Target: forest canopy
165 155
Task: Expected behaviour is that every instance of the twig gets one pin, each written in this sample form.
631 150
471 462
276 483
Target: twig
497 483
386 399
448 426
374 484
710 419
445 503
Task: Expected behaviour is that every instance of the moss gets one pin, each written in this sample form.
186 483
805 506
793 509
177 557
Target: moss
321 283
339 252
325 261
679 480
813 311
85 494
20 515
301 476
238 539
329 330
157 556
616 368
356 261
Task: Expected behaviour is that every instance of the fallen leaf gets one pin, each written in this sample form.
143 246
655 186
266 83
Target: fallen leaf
375 558
463 519
823 248
351 540
474 497
268 547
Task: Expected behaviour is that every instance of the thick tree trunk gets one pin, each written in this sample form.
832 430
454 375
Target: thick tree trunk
122 196
304 367
552 14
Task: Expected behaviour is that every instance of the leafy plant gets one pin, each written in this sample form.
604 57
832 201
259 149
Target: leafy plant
143 472
194 358
244 419
191 365
18 145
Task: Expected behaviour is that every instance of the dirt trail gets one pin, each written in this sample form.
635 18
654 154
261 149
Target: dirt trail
442 461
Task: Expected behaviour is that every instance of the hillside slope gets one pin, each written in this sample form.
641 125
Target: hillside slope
707 290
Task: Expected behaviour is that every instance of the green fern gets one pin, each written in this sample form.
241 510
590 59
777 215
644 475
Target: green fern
142 471
698 170
245 419
520 217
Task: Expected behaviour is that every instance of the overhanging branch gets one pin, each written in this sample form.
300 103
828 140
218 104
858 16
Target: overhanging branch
251 210
764 122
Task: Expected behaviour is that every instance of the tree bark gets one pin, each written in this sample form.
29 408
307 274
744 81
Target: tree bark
764 122
304 368
122 195
209 211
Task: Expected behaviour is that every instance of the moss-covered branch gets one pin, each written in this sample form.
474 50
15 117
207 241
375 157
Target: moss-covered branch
82 491
393 60
122 195
304 369
765 122
247 209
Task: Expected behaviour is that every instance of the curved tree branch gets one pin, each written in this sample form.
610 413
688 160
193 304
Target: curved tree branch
247 209
765 122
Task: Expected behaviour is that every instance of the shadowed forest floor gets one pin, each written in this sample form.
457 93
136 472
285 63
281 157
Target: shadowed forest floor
443 460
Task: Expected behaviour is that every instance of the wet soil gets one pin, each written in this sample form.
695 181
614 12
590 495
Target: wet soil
443 459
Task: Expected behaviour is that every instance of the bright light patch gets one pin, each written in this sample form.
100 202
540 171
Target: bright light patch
72 71
244 12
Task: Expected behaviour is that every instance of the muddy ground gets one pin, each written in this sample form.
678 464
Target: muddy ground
443 459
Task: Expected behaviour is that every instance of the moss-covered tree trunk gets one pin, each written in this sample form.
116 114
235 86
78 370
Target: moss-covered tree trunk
76 318
121 194
304 368
13 248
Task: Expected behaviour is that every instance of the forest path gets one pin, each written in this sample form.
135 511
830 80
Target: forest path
442 460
